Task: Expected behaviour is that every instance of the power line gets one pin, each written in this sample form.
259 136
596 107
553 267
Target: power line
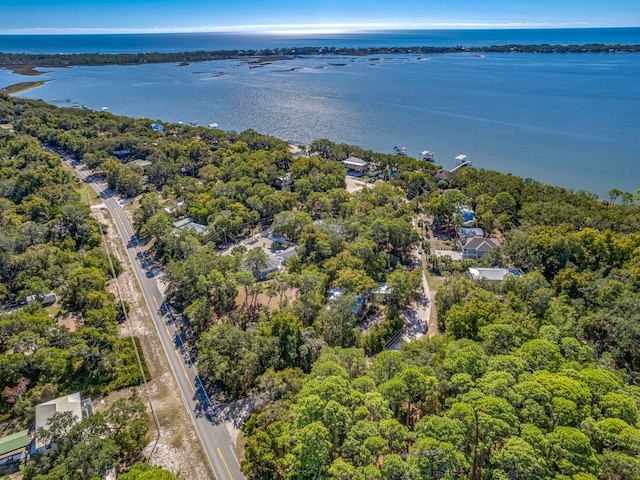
133 342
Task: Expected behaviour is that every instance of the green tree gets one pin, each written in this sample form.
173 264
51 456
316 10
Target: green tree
144 471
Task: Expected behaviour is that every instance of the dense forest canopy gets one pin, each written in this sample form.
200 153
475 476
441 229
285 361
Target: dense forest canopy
49 243
531 377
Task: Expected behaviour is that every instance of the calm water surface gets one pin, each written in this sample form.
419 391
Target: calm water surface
570 120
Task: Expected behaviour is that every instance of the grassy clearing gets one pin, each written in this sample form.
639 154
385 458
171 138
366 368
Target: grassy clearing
87 192
54 309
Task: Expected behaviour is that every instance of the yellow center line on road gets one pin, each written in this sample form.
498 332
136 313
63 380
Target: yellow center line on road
225 463
184 369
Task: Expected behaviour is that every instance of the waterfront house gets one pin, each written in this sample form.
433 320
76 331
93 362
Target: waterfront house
355 164
297 151
443 175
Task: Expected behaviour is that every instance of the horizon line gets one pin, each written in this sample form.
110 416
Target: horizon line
312 29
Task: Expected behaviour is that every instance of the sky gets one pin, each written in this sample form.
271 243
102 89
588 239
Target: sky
308 16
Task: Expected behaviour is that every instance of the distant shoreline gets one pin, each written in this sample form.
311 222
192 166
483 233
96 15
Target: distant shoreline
24 64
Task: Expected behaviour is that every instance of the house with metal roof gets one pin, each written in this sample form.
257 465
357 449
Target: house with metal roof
189 224
13 449
356 164
45 411
493 274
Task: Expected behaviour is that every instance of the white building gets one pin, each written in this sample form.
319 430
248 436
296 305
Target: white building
70 403
356 164
493 274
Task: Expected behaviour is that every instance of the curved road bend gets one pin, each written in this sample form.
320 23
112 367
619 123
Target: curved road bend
215 438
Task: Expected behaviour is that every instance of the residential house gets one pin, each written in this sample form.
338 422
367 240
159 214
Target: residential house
45 411
189 224
383 293
276 260
283 181
467 233
333 294
474 248
143 164
13 450
355 164
122 153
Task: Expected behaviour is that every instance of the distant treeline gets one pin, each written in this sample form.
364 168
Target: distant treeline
58 60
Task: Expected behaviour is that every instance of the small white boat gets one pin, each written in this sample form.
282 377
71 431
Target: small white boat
104 109
193 124
213 125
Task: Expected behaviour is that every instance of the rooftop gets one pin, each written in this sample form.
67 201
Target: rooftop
470 232
70 403
481 244
189 224
493 274
14 442
355 161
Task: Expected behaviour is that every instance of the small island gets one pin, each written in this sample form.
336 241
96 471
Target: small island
22 86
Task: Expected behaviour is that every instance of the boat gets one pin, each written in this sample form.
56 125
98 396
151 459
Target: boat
213 125
193 124
427 155
104 109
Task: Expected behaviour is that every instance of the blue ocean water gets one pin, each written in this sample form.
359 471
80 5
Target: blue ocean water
567 119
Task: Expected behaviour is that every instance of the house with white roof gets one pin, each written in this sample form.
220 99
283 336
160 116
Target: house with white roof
493 274
356 164
45 411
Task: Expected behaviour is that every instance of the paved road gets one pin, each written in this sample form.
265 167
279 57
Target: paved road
214 438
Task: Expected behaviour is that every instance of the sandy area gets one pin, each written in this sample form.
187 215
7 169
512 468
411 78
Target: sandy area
453 254
177 448
354 185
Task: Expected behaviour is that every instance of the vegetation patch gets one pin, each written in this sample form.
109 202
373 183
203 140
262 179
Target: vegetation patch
23 86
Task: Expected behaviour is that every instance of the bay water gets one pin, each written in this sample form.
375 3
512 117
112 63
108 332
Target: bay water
566 119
